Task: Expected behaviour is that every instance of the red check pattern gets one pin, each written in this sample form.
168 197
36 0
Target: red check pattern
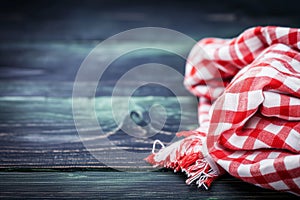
249 110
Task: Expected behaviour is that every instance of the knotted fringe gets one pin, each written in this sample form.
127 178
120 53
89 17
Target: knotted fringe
187 156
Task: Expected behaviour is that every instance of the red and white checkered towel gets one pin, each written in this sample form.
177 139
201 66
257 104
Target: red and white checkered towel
249 111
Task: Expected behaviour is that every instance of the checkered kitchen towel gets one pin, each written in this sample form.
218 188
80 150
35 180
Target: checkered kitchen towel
249 111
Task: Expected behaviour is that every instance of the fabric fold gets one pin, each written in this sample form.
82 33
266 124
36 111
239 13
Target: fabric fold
249 111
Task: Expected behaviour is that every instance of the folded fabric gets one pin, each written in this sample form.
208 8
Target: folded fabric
249 111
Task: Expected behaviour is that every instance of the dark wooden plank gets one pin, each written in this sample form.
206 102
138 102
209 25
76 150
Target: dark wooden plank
116 185
65 20
59 60
39 132
64 89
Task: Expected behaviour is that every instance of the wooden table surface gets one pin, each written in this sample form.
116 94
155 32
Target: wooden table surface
42 45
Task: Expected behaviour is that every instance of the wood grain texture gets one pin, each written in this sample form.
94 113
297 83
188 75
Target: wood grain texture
39 132
74 20
116 185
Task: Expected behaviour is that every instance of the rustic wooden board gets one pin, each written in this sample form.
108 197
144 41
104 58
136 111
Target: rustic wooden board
74 20
39 132
116 185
